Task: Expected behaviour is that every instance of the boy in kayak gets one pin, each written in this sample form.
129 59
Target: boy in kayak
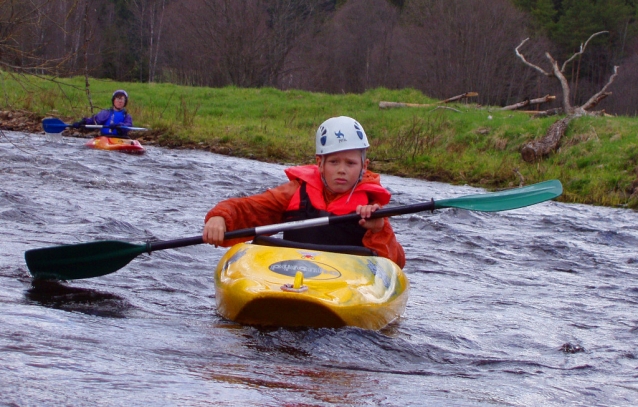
338 184
111 118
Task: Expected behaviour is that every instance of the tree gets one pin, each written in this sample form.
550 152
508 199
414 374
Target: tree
149 19
23 37
544 15
538 149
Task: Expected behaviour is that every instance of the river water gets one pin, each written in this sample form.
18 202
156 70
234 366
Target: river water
529 307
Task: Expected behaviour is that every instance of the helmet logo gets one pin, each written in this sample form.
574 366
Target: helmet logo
323 135
340 136
359 132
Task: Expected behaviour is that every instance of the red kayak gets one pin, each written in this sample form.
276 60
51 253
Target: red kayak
124 145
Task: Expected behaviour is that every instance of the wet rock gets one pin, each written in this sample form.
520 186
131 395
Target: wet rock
570 348
19 120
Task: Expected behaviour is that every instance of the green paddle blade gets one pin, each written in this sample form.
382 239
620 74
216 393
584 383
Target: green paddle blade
84 260
505 200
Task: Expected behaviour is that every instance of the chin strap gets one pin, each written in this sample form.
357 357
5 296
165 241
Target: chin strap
355 185
323 179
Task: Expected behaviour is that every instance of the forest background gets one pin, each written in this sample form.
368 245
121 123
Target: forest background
439 48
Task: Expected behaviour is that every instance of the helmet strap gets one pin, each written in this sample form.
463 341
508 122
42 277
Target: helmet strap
323 179
353 188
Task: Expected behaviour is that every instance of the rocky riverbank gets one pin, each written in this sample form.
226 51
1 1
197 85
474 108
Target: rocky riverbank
29 122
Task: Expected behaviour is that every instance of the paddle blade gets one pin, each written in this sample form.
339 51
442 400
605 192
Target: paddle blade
85 260
506 200
53 125
134 128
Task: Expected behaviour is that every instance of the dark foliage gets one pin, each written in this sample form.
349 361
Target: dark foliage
441 47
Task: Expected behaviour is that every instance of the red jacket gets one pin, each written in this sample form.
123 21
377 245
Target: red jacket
364 194
269 207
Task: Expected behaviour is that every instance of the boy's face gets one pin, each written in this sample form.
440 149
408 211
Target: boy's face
342 169
118 102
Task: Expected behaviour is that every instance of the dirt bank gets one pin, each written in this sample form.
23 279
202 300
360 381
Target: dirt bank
20 120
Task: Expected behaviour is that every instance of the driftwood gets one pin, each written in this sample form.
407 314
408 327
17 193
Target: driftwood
538 149
527 102
601 113
543 113
389 105
546 113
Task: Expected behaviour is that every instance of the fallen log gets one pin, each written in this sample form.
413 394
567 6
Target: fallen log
527 102
389 105
545 113
537 149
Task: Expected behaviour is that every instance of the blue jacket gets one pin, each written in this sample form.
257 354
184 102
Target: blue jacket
109 117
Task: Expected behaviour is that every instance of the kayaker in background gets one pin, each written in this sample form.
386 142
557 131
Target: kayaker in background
338 184
111 118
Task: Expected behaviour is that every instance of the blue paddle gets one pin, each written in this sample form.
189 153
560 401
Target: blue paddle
54 125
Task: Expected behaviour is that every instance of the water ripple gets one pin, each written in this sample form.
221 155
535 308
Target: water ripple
534 306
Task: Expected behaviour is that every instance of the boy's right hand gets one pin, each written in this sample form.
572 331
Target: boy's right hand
214 230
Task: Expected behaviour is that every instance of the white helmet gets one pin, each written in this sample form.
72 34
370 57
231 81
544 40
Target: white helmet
120 92
340 134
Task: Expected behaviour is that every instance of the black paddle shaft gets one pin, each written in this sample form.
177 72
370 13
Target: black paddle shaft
327 220
271 229
172 244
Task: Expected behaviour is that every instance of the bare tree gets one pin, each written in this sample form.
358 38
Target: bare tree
244 43
150 18
626 82
23 36
441 47
539 148
447 47
287 20
351 52
231 36
44 38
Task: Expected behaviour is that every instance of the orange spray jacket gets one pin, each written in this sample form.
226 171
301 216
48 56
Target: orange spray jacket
272 206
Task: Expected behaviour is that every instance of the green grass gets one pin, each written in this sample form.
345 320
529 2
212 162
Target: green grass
459 144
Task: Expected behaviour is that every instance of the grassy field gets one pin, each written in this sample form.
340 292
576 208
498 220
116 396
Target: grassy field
456 143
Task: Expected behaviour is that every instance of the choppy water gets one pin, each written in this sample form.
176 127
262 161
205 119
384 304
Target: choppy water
536 306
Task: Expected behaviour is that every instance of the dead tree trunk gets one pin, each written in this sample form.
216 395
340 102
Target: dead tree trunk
538 149
527 102
388 105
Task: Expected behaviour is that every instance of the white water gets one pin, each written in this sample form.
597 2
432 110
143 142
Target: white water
498 300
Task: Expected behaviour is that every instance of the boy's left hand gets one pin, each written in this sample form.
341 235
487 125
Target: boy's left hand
375 225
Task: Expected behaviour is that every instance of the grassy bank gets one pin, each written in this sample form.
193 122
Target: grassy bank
459 144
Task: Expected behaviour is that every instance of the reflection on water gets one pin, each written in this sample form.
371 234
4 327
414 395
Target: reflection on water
58 295
534 306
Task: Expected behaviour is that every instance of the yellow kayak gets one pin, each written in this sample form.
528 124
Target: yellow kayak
288 287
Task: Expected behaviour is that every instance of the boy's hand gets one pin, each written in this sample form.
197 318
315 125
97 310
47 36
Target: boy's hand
375 225
214 230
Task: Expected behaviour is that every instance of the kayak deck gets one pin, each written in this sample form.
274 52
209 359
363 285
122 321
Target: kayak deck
124 145
255 285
